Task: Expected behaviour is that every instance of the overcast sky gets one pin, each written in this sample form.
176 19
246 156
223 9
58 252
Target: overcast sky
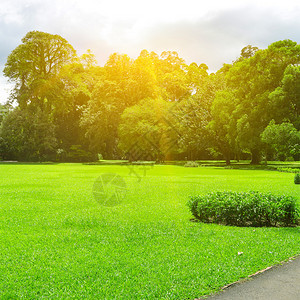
211 32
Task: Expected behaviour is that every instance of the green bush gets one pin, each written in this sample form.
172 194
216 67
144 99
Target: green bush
191 164
245 209
297 178
77 154
288 170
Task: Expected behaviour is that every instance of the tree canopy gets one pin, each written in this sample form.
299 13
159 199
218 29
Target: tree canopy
69 108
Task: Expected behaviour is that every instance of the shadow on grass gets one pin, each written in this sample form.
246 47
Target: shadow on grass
27 163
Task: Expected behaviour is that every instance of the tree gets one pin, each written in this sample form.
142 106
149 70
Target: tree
247 52
33 64
253 79
125 82
71 98
196 76
4 110
194 114
146 130
100 119
49 77
283 138
172 76
28 137
223 124
285 100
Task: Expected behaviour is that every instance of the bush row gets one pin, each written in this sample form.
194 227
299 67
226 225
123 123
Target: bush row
245 209
288 170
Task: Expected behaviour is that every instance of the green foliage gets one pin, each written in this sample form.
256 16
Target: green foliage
247 52
223 124
124 85
245 209
191 164
226 112
285 98
32 64
193 115
146 130
297 178
283 138
4 110
77 154
253 80
28 136
288 170
50 80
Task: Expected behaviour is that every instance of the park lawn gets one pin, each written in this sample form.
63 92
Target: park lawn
57 241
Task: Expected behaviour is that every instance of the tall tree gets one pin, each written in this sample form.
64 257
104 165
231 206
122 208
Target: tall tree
124 83
253 79
33 63
194 114
49 77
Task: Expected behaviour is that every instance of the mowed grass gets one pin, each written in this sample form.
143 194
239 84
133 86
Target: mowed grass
58 242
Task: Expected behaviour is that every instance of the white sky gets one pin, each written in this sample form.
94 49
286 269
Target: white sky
211 32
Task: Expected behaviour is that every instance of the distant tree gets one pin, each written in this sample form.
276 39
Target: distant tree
194 114
247 52
253 79
285 100
196 75
49 77
125 82
172 76
146 130
223 123
283 138
74 87
32 65
101 117
28 137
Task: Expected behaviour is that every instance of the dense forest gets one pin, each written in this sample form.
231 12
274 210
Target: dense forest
156 107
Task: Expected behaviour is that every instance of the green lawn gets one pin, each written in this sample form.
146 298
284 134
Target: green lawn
57 241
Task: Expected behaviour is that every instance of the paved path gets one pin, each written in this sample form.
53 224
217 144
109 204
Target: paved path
281 282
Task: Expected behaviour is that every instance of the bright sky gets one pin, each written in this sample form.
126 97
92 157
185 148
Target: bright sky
211 32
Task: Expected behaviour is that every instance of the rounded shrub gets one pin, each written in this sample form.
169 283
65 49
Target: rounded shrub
245 209
297 178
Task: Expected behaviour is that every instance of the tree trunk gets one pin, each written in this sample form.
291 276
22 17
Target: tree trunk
237 156
255 160
227 157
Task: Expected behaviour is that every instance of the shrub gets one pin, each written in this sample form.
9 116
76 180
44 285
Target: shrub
297 178
245 209
288 170
77 154
191 164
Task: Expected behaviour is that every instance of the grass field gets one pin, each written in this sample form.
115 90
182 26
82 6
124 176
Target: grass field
57 241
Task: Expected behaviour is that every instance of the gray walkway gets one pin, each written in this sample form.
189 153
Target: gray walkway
281 282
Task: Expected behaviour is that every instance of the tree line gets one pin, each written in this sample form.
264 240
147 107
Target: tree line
65 107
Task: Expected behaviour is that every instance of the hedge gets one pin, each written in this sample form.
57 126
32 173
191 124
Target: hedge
245 209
